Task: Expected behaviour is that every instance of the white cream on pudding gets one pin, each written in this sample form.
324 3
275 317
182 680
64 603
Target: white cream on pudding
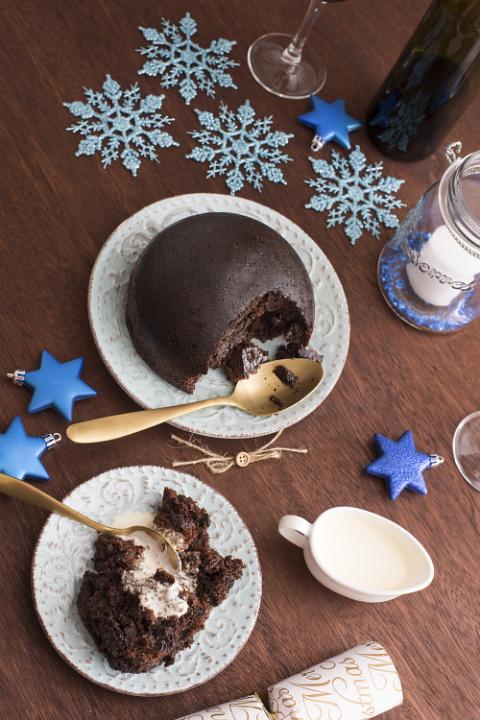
165 601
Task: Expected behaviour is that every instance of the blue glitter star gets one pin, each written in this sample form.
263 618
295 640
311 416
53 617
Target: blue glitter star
58 385
330 122
20 453
401 464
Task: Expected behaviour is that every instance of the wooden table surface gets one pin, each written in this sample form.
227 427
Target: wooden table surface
56 212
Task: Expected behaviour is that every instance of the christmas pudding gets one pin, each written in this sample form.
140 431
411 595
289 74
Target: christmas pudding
138 609
208 284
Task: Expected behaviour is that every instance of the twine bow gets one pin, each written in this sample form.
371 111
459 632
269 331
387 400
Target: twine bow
221 463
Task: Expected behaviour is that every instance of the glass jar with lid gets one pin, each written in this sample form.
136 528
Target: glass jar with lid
429 272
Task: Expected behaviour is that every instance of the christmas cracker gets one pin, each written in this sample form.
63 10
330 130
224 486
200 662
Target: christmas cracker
360 683
356 685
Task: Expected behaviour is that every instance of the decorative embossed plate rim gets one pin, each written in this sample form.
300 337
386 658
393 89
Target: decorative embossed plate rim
106 306
63 552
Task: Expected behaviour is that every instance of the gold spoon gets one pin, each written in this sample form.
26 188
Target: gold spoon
260 394
23 491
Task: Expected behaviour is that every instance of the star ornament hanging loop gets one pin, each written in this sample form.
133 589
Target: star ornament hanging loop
355 194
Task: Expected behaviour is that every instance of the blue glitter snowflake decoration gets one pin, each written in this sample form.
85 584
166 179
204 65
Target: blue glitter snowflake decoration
182 62
354 194
116 119
240 146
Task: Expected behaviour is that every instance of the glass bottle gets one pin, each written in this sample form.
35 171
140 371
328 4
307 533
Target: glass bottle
429 272
431 84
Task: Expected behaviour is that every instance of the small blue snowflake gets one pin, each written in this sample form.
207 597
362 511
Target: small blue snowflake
174 55
240 146
121 118
354 194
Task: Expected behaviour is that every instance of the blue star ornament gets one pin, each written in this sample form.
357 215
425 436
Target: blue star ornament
330 122
20 453
401 464
57 385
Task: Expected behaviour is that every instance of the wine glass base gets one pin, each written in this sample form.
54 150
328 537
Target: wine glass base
280 77
466 449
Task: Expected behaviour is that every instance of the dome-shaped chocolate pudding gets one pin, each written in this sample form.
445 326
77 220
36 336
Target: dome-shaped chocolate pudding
209 283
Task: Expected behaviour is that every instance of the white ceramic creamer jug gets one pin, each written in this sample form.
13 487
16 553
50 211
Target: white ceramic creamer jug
360 554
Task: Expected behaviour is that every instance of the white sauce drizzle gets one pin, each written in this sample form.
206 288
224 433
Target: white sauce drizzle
165 601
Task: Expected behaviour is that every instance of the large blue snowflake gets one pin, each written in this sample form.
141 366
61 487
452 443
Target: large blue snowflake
240 146
173 54
354 194
116 119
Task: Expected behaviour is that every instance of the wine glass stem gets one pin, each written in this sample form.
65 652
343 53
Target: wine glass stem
293 53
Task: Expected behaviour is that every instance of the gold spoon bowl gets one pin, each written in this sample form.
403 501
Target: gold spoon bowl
263 393
29 494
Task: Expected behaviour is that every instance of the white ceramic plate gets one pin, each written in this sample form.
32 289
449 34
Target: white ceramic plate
63 553
107 300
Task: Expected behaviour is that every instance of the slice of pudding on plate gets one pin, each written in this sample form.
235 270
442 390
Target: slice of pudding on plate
138 609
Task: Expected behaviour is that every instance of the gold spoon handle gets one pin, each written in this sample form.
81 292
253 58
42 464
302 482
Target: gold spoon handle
117 426
23 491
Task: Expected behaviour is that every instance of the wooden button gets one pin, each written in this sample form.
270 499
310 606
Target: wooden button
242 459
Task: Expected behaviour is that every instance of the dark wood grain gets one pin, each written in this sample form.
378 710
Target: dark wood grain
56 212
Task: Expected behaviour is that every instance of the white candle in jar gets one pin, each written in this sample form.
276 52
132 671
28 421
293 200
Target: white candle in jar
443 269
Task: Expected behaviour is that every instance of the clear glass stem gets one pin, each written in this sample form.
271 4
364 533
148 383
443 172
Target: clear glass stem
293 53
